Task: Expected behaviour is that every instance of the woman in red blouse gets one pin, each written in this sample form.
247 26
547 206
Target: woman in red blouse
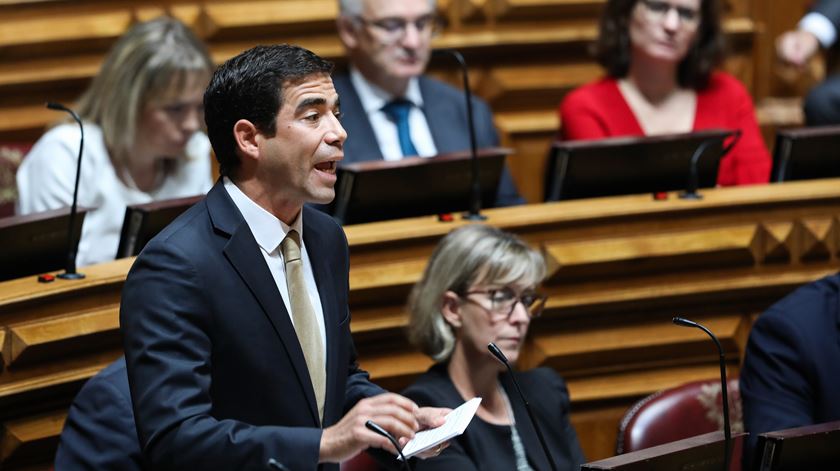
659 56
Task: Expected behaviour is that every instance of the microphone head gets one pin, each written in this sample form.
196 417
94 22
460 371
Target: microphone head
375 428
56 106
683 322
497 352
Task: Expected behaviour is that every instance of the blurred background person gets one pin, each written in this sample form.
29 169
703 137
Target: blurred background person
99 432
481 286
142 116
818 29
659 58
391 109
791 371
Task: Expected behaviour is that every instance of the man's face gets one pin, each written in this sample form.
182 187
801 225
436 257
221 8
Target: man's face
394 37
299 162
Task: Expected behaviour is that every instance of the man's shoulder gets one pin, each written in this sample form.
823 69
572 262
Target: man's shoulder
809 307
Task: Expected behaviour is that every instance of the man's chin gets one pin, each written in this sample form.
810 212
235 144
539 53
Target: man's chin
323 196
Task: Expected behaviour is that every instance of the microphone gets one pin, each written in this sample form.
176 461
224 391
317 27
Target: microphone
503 359
274 464
70 267
474 213
727 431
372 426
690 192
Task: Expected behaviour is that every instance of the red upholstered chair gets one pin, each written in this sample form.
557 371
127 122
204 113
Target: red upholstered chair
673 414
360 462
11 155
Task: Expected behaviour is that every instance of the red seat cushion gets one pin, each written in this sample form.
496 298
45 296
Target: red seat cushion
673 414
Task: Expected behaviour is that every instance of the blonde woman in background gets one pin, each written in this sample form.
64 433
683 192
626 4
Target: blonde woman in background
142 115
481 286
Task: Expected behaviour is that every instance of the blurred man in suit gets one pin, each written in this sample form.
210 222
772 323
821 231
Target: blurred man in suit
235 318
818 29
391 109
99 433
791 371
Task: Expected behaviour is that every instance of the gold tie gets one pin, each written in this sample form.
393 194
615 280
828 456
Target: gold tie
303 316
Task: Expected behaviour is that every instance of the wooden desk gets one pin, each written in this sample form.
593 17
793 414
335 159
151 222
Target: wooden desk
620 268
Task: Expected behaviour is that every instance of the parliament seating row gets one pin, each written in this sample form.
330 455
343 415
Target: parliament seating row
524 55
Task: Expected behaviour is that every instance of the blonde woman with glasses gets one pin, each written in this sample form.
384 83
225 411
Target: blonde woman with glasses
482 285
143 116
660 57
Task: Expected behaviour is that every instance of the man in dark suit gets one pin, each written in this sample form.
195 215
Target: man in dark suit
791 371
818 29
235 317
99 433
388 44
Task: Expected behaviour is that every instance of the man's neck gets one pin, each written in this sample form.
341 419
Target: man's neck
282 208
396 87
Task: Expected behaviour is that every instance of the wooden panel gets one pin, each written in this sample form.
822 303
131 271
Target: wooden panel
610 335
27 440
49 338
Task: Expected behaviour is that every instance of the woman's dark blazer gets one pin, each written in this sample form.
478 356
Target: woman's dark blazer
486 446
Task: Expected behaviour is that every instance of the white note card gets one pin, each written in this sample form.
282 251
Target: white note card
456 423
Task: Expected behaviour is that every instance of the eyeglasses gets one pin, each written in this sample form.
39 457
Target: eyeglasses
392 29
503 301
657 10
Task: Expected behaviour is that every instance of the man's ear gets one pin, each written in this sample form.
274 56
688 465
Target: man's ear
347 32
451 309
247 139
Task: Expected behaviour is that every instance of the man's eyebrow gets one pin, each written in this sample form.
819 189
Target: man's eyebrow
309 103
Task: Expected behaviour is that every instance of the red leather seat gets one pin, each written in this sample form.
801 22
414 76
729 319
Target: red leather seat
673 414
360 462
11 155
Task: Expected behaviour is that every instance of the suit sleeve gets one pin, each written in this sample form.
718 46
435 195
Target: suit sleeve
507 193
99 433
775 390
166 322
749 161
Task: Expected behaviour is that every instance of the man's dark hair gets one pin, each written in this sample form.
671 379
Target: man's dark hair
612 49
250 86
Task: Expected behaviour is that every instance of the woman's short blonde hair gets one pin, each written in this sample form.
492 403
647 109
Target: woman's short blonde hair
467 256
150 61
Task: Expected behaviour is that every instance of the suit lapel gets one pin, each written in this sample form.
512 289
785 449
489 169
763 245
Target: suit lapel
444 120
524 426
244 255
361 144
317 249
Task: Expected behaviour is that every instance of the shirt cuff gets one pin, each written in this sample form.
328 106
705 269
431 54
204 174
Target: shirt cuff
821 27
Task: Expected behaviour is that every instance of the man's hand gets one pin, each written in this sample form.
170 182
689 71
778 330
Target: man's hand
430 417
396 414
797 47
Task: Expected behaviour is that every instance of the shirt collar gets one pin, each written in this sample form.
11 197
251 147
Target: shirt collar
268 230
374 98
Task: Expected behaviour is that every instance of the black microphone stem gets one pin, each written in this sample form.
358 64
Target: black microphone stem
503 359
70 267
375 428
727 431
474 213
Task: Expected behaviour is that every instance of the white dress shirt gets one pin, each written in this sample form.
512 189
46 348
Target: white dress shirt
821 27
374 98
269 232
46 178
